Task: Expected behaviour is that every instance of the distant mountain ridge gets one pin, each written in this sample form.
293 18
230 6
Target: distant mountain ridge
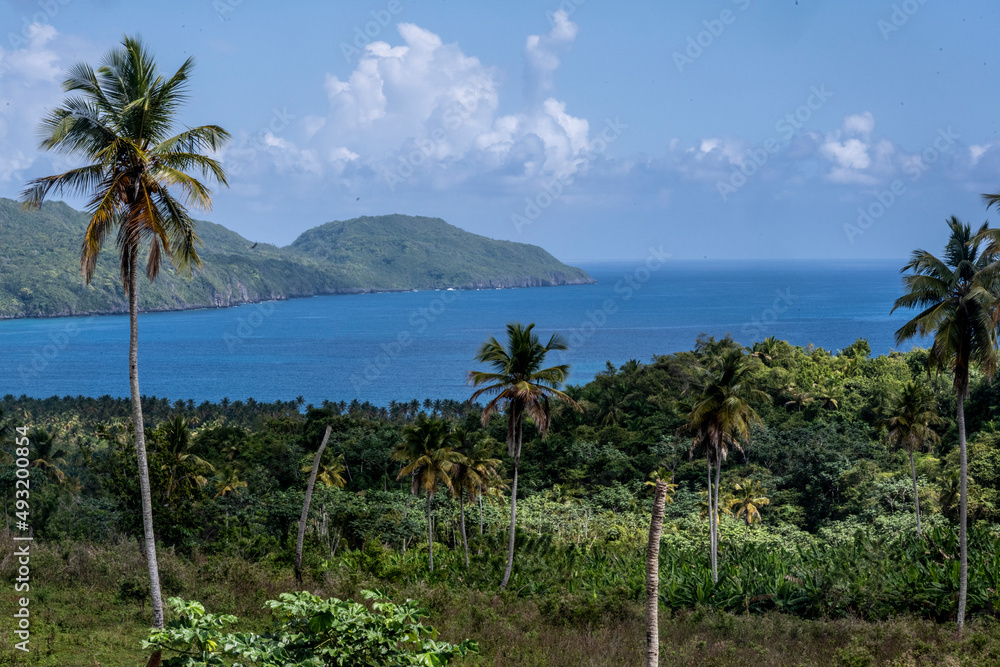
40 260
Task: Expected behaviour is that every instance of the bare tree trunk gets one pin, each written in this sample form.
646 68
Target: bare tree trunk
140 442
465 541
653 577
305 507
963 506
513 506
715 561
916 496
430 533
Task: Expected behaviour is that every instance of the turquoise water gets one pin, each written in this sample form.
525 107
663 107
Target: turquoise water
382 347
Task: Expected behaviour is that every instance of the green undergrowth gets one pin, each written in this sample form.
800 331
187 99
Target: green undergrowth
88 610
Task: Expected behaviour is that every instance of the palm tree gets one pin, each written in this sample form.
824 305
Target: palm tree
475 471
828 393
748 500
181 465
428 448
120 122
305 505
660 497
48 456
332 474
720 417
521 387
229 480
957 296
908 421
767 349
798 398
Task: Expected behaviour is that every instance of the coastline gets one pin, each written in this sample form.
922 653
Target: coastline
340 292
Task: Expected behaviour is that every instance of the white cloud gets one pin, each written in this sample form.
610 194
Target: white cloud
862 123
541 56
423 108
851 154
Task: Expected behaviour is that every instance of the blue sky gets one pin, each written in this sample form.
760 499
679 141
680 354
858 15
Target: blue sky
725 129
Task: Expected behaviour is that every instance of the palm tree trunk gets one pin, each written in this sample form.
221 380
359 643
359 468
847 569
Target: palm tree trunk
140 443
653 577
513 506
916 497
711 516
305 507
963 503
479 547
715 562
430 533
461 509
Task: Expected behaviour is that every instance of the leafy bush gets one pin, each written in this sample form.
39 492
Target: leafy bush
308 631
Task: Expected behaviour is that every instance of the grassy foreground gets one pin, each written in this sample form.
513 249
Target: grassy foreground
87 611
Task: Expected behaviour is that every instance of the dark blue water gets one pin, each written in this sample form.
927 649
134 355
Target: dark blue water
380 347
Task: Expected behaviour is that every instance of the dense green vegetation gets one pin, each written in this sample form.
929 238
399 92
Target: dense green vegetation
835 539
40 264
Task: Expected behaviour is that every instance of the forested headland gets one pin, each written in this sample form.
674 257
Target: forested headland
40 264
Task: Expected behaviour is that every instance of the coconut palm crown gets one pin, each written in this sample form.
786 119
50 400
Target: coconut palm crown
120 120
519 383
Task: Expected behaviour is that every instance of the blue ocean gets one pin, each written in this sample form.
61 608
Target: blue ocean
401 346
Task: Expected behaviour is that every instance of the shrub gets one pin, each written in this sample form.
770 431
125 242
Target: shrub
308 631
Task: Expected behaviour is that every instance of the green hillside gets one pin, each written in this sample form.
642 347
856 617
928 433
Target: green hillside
407 252
40 260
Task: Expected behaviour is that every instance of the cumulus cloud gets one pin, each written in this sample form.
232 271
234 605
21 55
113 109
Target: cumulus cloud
425 113
849 150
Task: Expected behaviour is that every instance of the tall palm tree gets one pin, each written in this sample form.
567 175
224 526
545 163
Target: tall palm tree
720 417
428 448
908 419
958 297
120 120
522 388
